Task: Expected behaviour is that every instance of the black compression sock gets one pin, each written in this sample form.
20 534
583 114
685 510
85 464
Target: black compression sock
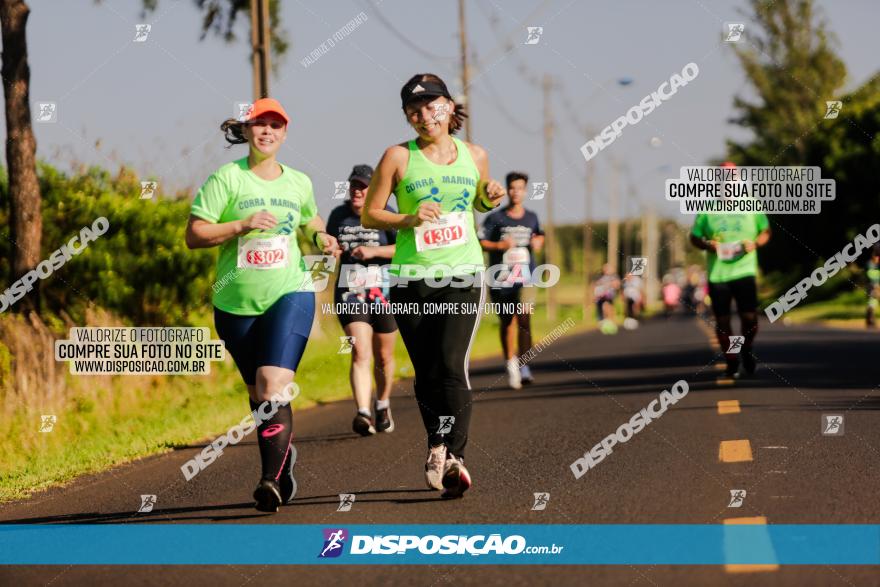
273 436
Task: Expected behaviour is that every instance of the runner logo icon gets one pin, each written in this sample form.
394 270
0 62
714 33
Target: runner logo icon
48 112
832 108
539 189
737 496
141 31
346 500
243 109
832 424
47 422
341 189
541 501
736 343
734 31
638 265
535 33
440 112
320 268
148 188
147 503
346 345
334 542
446 423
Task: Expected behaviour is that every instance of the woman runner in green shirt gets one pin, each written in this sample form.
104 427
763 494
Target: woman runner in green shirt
438 181
264 300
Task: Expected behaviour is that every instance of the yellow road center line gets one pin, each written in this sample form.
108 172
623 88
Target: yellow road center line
735 451
728 406
757 520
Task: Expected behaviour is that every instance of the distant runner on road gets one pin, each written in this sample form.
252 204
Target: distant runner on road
731 242
512 235
633 299
605 290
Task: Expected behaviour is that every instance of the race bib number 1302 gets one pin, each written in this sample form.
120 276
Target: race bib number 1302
263 253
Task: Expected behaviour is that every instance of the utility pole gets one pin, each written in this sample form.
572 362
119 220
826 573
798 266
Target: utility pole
613 237
650 250
588 240
549 253
465 74
260 47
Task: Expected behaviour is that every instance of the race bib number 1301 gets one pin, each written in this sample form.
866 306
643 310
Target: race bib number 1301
447 231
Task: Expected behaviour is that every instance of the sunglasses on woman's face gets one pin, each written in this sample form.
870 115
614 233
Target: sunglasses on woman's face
273 124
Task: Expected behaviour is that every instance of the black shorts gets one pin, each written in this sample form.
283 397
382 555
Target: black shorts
505 296
382 322
744 290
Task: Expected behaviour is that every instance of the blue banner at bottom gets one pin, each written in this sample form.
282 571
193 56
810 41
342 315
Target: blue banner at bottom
605 544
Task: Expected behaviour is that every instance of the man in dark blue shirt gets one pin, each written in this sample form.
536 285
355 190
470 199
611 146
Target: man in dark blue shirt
512 235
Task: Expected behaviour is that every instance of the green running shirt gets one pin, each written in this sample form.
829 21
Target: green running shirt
249 287
454 187
729 229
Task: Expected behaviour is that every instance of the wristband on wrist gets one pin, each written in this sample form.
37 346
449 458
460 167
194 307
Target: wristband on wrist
483 205
315 237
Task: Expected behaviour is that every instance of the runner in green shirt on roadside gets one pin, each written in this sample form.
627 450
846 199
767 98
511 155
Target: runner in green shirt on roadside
731 242
438 182
264 299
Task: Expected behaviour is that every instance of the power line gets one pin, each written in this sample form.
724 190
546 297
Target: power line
403 38
511 118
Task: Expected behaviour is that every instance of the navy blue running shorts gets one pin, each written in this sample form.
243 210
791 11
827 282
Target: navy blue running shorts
275 338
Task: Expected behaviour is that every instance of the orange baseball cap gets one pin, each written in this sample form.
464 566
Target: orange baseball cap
264 105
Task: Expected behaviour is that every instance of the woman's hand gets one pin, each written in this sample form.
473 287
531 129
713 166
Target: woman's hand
328 244
493 192
427 212
262 220
362 253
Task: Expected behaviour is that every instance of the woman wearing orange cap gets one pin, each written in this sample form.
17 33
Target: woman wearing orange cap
264 299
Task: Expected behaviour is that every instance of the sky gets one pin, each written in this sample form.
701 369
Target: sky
157 105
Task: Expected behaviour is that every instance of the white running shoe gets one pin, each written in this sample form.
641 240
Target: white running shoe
456 478
513 377
435 466
525 375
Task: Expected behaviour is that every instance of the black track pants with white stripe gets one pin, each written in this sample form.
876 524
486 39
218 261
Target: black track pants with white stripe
439 347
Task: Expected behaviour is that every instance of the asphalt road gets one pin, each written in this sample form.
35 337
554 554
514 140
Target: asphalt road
523 442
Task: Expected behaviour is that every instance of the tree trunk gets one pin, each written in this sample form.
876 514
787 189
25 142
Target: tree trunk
26 223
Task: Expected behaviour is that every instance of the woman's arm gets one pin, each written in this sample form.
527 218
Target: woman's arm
201 234
315 231
489 191
367 253
374 214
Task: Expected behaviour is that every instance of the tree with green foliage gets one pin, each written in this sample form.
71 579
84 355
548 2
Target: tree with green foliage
788 58
793 69
220 17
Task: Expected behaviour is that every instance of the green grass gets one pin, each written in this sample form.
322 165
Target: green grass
124 418
845 310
